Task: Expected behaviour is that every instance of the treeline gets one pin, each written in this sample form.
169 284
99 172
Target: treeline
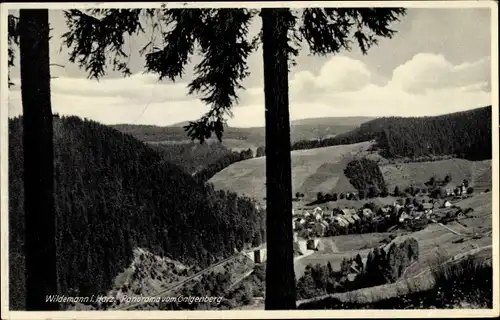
191 156
383 267
254 135
365 175
464 134
380 268
261 152
225 161
114 193
178 133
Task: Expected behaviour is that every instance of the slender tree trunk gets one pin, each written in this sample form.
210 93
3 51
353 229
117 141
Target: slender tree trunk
280 275
40 243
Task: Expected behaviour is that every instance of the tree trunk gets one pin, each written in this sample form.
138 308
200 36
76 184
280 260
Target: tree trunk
280 275
40 228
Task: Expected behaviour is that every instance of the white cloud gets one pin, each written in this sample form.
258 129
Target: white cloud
343 74
425 85
338 74
136 99
428 71
138 87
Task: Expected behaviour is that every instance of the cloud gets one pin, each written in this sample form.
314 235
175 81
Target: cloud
427 84
343 74
345 87
138 88
338 74
427 71
136 99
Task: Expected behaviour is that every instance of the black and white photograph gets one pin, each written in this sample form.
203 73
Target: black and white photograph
243 157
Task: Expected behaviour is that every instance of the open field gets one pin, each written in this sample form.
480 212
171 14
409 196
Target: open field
322 170
313 171
335 249
355 242
478 173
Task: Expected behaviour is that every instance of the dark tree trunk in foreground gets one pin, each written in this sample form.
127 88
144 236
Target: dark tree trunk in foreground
280 275
40 243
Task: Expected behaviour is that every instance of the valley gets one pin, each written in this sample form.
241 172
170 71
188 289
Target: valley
444 204
321 170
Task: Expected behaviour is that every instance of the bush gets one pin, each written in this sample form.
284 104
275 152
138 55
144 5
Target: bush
470 280
361 194
397 192
320 196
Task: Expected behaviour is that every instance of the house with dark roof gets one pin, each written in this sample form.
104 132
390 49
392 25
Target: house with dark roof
349 219
340 221
348 211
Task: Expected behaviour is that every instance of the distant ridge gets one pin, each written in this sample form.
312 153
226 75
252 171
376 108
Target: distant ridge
347 121
354 121
465 134
304 129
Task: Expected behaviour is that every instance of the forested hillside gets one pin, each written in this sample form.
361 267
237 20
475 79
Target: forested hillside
192 156
177 133
365 175
464 134
114 193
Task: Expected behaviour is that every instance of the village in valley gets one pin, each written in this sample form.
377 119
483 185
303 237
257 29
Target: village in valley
151 199
412 209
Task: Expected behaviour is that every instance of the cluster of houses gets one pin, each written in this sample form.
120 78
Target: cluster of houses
459 191
319 219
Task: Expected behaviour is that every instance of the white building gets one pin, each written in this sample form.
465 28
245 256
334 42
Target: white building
312 244
403 217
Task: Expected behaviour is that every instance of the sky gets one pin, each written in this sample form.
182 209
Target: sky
438 62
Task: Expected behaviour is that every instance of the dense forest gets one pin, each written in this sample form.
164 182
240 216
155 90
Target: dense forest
465 134
225 161
177 133
365 175
192 156
114 193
